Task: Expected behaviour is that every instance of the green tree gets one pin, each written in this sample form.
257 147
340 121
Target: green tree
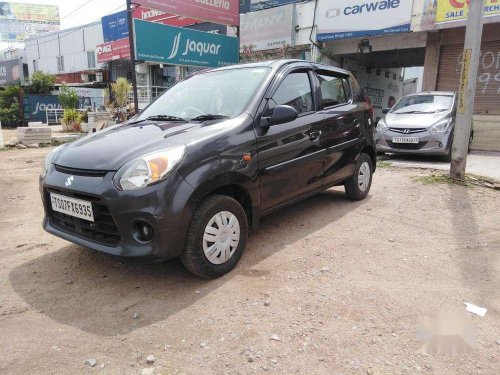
121 90
68 98
41 83
10 110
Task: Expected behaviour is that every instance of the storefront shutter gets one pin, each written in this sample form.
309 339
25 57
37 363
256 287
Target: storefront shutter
488 81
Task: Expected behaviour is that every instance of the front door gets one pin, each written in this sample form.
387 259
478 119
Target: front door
290 155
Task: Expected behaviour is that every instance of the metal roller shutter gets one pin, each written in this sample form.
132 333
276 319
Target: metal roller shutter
488 81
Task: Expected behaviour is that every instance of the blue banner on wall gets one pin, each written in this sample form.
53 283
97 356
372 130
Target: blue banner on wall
115 26
178 46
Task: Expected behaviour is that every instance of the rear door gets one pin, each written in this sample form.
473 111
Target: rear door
290 155
343 118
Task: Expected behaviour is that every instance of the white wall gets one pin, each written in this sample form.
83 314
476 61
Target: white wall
73 44
415 72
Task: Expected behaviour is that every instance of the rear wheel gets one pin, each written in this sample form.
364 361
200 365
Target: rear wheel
358 186
217 237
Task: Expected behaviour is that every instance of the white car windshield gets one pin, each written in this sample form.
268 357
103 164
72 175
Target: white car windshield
423 104
217 94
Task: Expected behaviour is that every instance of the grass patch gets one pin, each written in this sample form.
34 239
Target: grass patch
441 178
383 164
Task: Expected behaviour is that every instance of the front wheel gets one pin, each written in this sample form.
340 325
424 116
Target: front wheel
358 186
217 237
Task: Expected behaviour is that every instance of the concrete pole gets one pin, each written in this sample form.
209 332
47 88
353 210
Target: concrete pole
467 89
132 54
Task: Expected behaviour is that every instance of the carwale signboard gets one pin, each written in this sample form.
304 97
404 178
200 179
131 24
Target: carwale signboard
360 18
179 46
457 10
226 12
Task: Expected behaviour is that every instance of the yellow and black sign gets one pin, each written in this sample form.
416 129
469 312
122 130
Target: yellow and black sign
464 81
456 10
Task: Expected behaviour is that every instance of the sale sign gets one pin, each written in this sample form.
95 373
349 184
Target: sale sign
226 12
456 10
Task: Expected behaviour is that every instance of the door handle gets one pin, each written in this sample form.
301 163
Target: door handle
313 136
356 123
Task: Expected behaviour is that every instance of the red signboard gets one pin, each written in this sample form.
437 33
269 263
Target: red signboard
118 49
225 12
154 15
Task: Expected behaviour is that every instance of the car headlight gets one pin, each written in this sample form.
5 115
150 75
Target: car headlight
441 126
49 159
381 126
149 169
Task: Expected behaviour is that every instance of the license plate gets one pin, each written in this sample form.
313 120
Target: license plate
71 206
405 140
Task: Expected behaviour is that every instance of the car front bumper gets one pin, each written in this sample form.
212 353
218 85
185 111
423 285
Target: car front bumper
164 206
429 143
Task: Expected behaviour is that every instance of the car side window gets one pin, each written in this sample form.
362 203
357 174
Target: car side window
295 91
333 90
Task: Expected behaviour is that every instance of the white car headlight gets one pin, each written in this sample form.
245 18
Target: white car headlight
49 159
441 126
381 126
149 169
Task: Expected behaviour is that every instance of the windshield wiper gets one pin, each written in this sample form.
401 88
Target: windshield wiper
160 118
209 117
411 113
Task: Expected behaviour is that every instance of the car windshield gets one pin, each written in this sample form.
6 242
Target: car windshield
423 104
212 95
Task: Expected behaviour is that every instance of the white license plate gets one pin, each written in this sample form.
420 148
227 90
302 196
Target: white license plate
405 140
71 206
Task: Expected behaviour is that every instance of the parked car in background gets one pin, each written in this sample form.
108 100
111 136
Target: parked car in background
198 168
422 123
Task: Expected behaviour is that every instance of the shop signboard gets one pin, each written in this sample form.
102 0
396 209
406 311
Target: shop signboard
115 50
267 29
265 4
360 18
457 10
11 72
19 21
115 26
180 46
225 12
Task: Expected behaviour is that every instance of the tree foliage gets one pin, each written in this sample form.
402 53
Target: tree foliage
41 83
121 90
68 98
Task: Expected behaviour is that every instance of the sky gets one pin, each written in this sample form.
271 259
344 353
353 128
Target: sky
91 11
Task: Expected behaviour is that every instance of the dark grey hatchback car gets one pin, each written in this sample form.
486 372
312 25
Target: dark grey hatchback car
198 168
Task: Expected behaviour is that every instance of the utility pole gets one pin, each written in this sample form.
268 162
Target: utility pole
132 53
467 90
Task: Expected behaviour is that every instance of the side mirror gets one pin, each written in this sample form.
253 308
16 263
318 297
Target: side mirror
386 111
281 114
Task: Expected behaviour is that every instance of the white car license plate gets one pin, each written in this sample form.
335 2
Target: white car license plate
71 206
405 140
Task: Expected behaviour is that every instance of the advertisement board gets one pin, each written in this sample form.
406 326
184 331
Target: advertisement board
265 4
19 21
174 45
457 10
267 29
11 72
115 50
225 12
115 26
360 18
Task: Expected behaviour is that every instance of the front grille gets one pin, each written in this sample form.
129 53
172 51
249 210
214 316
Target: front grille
103 230
408 130
406 146
80 172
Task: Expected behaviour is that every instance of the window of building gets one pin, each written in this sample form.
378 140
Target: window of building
295 91
35 66
91 59
333 90
60 63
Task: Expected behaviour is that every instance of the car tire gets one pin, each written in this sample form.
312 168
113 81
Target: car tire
358 186
222 219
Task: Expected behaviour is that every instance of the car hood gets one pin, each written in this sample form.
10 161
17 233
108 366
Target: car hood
110 149
414 120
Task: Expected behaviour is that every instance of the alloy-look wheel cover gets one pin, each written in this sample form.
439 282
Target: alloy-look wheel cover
364 176
221 237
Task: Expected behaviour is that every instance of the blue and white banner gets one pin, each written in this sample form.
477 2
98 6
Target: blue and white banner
115 26
359 18
155 42
265 4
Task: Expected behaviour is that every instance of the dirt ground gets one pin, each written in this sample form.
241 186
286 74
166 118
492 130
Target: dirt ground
325 287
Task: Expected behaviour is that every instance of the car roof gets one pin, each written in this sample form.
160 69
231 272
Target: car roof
278 64
442 93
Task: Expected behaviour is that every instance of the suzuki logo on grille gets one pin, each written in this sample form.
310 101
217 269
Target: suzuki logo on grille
406 131
69 180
